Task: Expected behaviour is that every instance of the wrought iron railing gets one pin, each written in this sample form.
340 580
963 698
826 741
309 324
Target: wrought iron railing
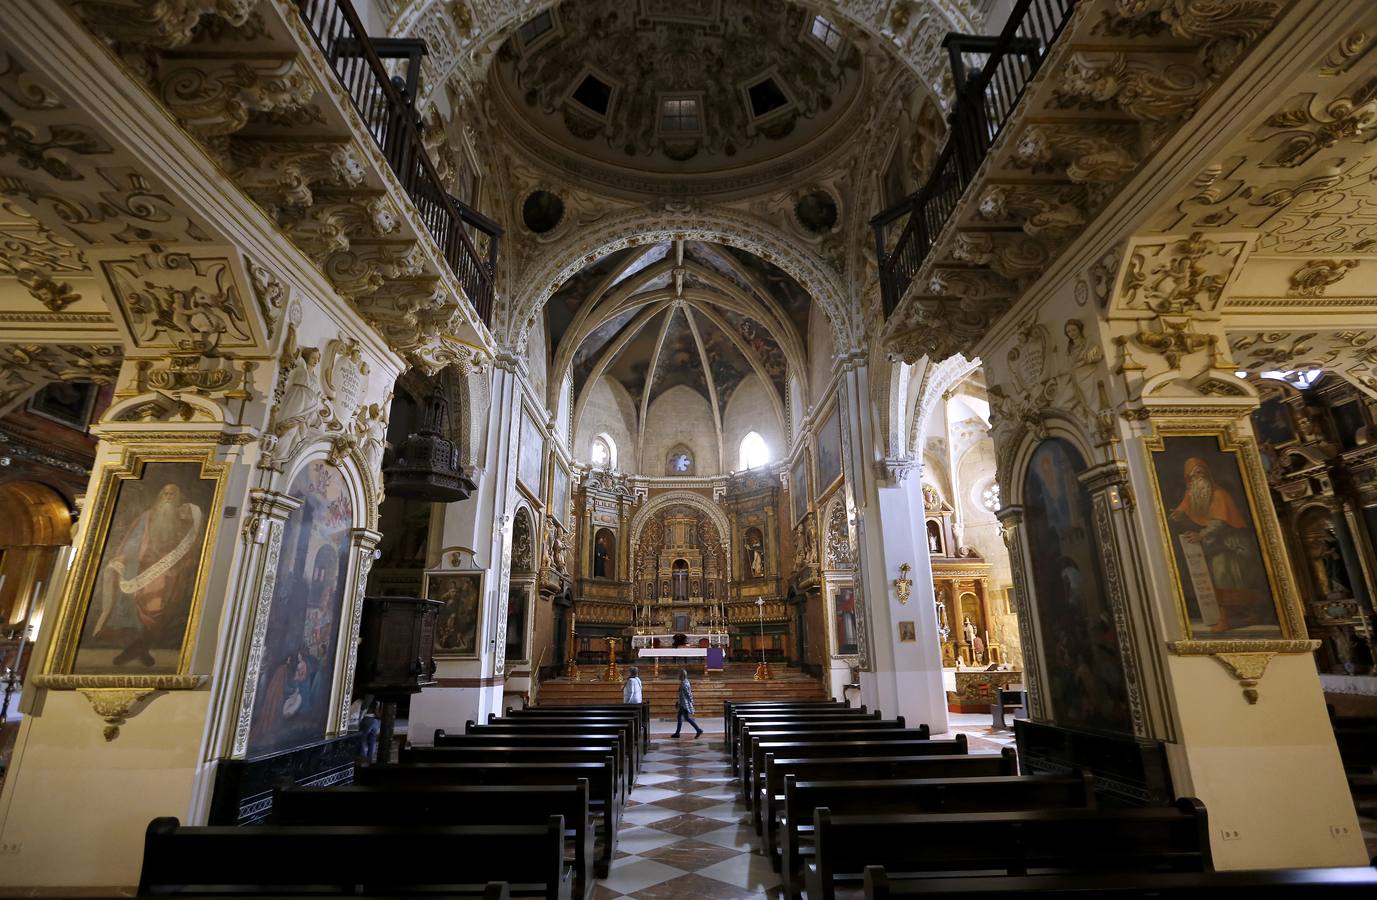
386 103
984 103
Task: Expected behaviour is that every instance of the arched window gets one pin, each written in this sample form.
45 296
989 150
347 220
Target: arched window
989 497
603 453
754 452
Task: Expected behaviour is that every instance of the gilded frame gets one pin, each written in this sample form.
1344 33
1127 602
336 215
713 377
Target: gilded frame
1231 652
81 585
480 579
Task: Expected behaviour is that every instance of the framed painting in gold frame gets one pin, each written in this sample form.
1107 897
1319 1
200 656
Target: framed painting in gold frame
459 623
1228 564
135 595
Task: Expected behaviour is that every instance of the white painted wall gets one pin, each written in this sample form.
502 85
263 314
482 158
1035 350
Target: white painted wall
749 409
608 409
680 416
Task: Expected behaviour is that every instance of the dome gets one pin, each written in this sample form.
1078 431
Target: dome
716 95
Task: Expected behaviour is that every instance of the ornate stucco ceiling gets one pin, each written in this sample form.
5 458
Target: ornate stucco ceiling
590 88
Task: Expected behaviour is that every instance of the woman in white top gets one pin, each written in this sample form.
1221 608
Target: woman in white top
631 693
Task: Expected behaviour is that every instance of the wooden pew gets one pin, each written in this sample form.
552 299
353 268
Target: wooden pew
1259 884
636 739
731 707
624 726
640 712
622 733
449 805
874 730
875 767
733 719
768 782
740 759
602 786
514 751
742 720
1144 839
911 795
354 860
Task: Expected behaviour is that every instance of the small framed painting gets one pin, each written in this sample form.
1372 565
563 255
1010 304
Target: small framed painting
457 625
908 634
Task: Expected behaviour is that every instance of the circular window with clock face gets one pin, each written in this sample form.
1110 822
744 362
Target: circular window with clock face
680 462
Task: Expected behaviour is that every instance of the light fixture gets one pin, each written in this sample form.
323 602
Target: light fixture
903 585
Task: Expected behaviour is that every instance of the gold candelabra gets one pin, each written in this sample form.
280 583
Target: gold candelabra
612 673
571 666
762 671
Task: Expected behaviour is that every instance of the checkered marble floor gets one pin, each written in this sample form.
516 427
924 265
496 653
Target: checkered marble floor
684 833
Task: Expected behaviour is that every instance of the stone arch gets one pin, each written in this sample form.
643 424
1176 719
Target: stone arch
698 502
713 224
37 516
1014 458
937 380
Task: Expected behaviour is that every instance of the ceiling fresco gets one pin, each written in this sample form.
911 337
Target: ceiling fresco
566 302
766 350
757 83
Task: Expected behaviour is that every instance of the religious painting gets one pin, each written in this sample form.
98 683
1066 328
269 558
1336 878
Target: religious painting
530 453
908 633
67 402
1085 677
1222 575
605 554
844 621
559 493
291 705
456 627
1272 423
753 545
517 603
140 599
798 487
829 450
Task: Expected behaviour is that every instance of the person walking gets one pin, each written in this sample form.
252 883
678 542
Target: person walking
631 692
684 705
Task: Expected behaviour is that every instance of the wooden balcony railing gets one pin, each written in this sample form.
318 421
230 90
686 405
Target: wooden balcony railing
387 105
984 102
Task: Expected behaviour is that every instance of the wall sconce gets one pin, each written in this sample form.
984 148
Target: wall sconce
903 584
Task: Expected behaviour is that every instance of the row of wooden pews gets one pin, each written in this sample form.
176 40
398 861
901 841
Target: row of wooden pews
845 800
525 805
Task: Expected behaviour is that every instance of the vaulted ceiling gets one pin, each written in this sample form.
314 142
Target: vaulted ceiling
685 313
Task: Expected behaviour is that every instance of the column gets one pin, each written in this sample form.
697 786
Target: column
470 689
902 660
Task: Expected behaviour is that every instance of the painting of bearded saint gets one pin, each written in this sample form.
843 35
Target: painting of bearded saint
1085 668
145 582
1219 562
291 704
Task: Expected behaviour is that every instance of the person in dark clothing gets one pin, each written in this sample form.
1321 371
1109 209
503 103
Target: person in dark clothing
684 706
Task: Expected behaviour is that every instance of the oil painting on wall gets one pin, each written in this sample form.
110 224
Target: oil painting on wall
798 486
829 450
1221 573
145 585
559 493
530 454
456 628
292 704
844 618
1085 669
517 602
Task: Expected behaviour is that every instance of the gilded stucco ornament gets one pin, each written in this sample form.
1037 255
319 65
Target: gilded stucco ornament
1245 661
1316 276
115 698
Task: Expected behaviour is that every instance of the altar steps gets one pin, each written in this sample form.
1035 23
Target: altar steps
737 682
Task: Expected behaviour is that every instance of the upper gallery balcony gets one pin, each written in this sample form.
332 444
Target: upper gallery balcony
1065 105
315 121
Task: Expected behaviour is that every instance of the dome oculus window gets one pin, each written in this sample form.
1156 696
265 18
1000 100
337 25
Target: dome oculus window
825 33
754 452
680 462
679 115
766 96
538 27
593 94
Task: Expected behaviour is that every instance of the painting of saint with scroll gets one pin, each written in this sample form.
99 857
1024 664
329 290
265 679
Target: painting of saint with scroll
1220 568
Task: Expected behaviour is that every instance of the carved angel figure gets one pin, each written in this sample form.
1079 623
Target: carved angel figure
370 430
301 398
